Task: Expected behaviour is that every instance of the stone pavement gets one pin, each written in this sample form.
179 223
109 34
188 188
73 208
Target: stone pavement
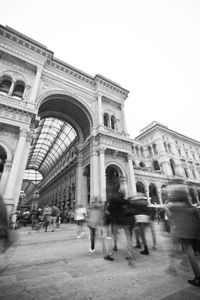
56 265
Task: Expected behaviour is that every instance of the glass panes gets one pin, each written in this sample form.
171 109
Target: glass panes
52 138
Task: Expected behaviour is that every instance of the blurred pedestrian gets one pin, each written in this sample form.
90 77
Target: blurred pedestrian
184 221
94 220
55 212
80 217
142 220
47 217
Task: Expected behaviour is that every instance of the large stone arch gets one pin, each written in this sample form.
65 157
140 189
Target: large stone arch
62 93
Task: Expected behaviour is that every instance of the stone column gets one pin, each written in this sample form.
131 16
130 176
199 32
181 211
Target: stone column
20 174
159 195
4 178
16 165
35 86
84 189
94 174
166 168
133 191
124 119
124 186
161 148
102 174
79 175
12 87
100 116
147 195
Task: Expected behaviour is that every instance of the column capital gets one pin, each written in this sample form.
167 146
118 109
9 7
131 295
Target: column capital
23 132
102 150
99 94
129 156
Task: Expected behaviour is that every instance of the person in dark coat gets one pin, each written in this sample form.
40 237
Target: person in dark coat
184 221
121 215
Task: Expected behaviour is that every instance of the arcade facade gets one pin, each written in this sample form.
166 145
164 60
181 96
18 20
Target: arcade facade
70 129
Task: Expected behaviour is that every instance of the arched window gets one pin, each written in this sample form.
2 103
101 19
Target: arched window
155 149
18 89
169 148
156 165
186 172
193 174
105 119
137 151
172 164
165 145
5 84
192 195
113 122
142 151
150 151
142 165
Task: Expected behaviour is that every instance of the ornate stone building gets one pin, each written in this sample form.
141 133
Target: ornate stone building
61 122
162 155
70 128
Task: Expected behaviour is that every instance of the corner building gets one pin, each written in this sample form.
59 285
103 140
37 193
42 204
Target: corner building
70 128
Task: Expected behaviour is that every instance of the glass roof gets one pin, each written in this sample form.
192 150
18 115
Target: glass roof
33 176
52 138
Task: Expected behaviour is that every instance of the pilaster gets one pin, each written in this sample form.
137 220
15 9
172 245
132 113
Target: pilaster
133 191
102 174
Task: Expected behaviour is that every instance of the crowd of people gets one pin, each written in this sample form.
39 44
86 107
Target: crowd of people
181 219
132 216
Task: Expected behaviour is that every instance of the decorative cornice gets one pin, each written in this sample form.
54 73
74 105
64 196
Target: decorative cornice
40 50
20 39
15 114
111 85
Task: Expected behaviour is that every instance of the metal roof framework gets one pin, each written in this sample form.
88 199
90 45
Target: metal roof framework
52 138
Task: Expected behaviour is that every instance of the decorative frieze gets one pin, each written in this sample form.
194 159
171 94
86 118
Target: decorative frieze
15 114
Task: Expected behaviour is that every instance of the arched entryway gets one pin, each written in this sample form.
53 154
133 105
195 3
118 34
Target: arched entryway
153 194
114 177
65 123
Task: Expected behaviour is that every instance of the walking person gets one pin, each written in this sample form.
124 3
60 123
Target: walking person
55 212
94 220
80 217
184 221
142 220
47 217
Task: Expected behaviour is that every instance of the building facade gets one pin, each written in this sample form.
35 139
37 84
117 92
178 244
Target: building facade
59 121
161 156
70 127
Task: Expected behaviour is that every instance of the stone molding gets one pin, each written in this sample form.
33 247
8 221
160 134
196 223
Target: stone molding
38 49
115 142
15 114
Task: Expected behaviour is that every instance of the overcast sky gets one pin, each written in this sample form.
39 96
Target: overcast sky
151 48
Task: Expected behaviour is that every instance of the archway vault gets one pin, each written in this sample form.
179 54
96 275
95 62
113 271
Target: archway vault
64 121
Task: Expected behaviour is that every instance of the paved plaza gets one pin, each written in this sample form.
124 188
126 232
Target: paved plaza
57 265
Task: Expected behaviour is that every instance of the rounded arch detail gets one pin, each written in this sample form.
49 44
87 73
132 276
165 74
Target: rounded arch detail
8 150
116 165
62 93
14 75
